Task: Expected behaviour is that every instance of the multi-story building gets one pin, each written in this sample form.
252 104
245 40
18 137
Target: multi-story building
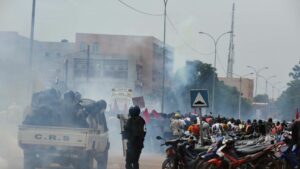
49 60
246 85
93 61
119 61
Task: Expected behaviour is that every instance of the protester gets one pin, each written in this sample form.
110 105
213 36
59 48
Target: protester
177 125
194 129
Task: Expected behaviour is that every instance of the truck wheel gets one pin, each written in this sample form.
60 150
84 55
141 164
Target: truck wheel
85 162
89 163
102 160
29 161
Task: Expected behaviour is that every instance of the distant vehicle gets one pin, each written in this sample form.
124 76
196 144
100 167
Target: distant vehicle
122 98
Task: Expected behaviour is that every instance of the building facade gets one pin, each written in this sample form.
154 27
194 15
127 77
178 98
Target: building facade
119 61
94 62
243 85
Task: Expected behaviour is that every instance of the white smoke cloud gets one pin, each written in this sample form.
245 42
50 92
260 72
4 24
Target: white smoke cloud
10 152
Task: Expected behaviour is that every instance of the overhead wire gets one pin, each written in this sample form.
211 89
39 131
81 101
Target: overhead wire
139 11
184 41
171 23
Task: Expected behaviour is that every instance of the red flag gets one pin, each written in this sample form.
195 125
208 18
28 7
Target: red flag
155 114
297 114
146 115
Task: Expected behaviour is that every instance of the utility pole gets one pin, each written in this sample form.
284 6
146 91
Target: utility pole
231 47
164 58
88 64
32 34
30 56
66 71
240 98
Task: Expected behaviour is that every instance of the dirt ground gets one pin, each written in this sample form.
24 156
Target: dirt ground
147 161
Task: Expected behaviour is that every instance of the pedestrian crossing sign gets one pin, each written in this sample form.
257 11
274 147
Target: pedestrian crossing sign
199 98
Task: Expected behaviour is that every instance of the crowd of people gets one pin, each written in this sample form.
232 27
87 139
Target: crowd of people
176 124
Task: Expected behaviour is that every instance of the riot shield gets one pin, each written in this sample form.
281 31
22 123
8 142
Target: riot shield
123 120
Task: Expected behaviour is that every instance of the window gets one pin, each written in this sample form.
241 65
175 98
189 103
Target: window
115 69
95 47
82 46
95 68
80 67
47 54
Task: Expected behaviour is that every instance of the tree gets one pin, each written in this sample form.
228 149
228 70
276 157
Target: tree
295 74
199 75
289 100
261 98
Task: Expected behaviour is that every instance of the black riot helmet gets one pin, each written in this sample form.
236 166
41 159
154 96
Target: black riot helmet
101 105
134 111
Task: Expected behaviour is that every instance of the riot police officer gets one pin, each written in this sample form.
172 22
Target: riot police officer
134 132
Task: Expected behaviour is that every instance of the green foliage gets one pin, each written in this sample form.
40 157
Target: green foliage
295 74
198 75
289 100
261 98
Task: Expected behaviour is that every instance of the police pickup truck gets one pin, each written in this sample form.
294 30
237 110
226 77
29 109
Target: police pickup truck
46 145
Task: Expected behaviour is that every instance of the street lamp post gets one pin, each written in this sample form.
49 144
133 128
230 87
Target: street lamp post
273 87
256 75
268 109
215 63
164 58
267 80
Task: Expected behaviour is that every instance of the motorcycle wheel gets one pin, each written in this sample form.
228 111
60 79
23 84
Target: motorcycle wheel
207 165
269 162
168 164
199 164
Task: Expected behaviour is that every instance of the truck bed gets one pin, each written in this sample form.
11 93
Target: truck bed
55 136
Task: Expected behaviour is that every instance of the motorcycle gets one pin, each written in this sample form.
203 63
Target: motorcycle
180 153
287 153
229 157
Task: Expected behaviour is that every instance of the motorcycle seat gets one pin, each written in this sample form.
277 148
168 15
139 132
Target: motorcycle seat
250 150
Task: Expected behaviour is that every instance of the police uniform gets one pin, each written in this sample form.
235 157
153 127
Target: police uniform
134 132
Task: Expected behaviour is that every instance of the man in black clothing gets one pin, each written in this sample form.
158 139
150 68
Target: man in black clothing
296 132
134 132
296 135
261 128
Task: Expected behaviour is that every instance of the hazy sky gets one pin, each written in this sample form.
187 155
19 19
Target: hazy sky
267 31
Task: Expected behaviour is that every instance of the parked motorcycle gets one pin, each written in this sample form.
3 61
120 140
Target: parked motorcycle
287 153
180 153
228 157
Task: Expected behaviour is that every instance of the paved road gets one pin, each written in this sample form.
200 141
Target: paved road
147 161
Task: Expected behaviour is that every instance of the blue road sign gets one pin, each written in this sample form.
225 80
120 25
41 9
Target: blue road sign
199 98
